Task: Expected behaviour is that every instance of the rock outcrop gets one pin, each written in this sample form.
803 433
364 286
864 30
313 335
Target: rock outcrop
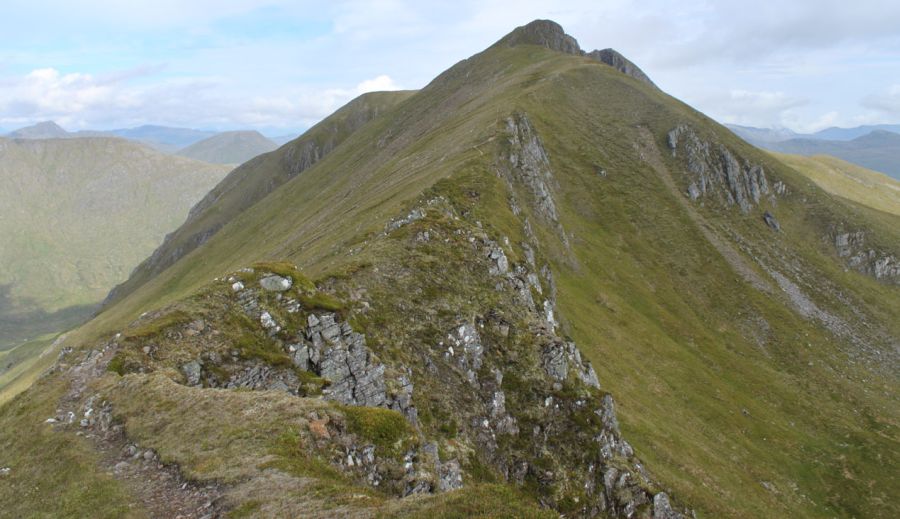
509 390
771 221
717 172
851 246
545 33
619 62
549 34
526 162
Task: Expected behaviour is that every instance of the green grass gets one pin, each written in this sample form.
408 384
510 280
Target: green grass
245 509
321 301
486 501
386 429
157 325
253 346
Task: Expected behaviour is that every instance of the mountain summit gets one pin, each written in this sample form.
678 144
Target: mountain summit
545 33
550 34
534 288
229 147
42 130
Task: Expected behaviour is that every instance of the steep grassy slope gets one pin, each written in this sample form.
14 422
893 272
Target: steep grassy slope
849 181
78 214
252 181
229 147
753 369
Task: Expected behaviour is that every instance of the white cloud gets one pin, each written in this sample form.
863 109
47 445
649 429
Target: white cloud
225 65
886 102
377 84
751 108
79 100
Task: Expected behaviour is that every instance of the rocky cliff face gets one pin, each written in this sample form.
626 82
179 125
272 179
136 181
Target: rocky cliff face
718 173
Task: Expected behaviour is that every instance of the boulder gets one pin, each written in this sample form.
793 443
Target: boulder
275 283
771 221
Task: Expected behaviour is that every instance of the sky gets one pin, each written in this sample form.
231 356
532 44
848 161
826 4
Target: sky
279 66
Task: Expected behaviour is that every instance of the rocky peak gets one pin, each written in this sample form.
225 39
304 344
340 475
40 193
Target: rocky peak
545 33
550 34
619 62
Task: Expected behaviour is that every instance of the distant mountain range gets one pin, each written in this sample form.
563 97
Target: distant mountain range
876 147
233 147
162 138
832 134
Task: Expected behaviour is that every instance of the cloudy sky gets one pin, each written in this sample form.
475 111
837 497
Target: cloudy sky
280 65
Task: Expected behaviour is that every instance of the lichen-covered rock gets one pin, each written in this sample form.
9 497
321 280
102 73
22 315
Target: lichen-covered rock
268 322
275 283
450 476
607 414
499 262
192 372
529 161
555 361
846 242
662 509
262 377
415 214
558 358
860 257
464 345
